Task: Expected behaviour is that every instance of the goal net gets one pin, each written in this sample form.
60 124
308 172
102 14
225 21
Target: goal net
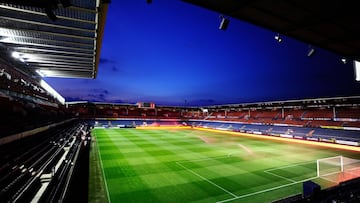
338 169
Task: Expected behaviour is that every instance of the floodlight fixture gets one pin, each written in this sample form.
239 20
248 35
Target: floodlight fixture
311 51
40 73
278 38
344 60
224 23
357 70
15 54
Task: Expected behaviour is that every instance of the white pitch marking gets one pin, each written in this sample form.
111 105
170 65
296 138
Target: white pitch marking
103 172
263 191
288 179
203 159
207 180
288 166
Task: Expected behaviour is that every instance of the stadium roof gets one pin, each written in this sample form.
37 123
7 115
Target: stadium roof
56 38
332 25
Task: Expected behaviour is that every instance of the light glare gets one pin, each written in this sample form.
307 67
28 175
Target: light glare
15 55
357 70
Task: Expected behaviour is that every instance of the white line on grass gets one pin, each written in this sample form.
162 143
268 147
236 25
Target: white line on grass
203 159
103 171
207 180
263 191
288 166
288 179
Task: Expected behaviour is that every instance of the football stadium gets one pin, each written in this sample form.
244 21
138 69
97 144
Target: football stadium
57 149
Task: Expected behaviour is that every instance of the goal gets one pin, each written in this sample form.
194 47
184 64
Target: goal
338 168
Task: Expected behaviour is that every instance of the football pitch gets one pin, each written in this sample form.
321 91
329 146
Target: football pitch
188 165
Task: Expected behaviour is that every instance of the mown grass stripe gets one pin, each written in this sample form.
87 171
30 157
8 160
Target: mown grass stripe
142 163
209 181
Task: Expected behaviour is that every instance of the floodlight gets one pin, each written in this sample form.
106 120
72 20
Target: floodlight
15 54
40 73
357 70
224 23
311 51
344 60
278 38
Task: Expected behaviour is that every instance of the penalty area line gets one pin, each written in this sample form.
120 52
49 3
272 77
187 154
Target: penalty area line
279 176
207 180
266 190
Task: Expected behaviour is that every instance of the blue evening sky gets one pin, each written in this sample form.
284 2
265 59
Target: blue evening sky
169 52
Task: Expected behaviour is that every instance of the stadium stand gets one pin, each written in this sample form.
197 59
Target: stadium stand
45 158
348 113
348 191
57 137
303 119
44 143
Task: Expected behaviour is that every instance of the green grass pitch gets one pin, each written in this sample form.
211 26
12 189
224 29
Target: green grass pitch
186 165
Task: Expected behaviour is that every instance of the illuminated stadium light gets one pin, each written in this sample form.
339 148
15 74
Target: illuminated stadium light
15 54
21 57
224 23
53 92
357 70
311 51
5 39
278 38
344 60
40 73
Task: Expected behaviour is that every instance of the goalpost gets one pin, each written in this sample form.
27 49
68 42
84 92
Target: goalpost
338 168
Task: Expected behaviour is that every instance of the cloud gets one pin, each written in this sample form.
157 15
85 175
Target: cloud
109 65
70 99
97 94
115 69
106 61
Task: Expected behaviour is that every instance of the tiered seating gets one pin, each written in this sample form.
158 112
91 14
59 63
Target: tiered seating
22 162
351 124
350 135
21 115
148 113
134 112
347 191
57 185
19 83
293 114
220 114
168 113
238 114
194 114
319 113
273 114
348 113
